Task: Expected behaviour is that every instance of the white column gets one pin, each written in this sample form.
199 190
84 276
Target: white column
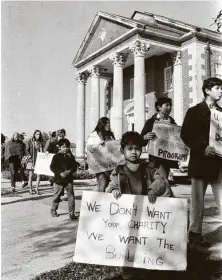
178 89
119 59
80 115
139 50
95 96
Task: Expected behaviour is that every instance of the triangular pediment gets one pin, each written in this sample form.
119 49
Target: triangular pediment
104 30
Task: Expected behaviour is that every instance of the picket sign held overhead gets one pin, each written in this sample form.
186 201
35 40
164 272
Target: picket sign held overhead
168 144
132 232
215 139
105 157
42 165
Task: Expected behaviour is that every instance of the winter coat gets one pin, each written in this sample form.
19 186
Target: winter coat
151 179
195 134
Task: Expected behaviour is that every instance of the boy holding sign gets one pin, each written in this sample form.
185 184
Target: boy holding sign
136 177
205 167
63 165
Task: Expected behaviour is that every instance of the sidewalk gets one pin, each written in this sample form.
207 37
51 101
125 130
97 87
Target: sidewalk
33 242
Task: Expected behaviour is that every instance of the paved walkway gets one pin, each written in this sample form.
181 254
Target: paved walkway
33 242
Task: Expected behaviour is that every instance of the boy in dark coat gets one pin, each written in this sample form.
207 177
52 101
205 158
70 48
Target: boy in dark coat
163 107
204 166
63 166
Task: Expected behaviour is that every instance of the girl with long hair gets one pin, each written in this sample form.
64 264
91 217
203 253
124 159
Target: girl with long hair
34 145
99 136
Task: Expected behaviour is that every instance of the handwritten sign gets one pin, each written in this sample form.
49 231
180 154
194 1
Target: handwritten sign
215 138
168 144
42 165
106 157
132 232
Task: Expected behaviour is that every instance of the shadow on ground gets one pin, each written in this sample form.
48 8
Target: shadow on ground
52 239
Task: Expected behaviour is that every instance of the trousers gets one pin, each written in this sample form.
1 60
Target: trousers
198 190
58 191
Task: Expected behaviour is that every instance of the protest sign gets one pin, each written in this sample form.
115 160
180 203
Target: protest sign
168 144
215 139
105 157
42 165
132 232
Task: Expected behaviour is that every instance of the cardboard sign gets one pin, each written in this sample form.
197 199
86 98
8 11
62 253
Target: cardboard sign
215 139
42 165
132 232
105 157
168 144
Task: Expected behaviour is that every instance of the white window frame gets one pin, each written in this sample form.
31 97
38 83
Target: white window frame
217 69
165 79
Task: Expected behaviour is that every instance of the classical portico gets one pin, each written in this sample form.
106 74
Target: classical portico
141 58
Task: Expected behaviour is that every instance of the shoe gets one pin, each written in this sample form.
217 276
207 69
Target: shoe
73 217
196 239
205 243
31 192
24 185
13 190
37 192
54 213
202 242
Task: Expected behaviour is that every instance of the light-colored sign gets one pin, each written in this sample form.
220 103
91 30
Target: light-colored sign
132 232
105 157
168 144
42 165
215 138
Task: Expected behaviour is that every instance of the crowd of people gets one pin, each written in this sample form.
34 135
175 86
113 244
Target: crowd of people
205 166
135 176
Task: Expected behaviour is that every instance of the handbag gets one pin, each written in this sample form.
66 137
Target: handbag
28 161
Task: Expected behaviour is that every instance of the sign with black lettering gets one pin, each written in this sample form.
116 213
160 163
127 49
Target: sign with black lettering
215 139
132 232
168 144
105 157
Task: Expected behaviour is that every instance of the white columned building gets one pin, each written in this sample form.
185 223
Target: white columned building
139 50
136 54
95 96
178 85
118 60
80 115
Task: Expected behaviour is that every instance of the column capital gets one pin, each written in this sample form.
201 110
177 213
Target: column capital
139 48
119 59
95 71
81 78
177 58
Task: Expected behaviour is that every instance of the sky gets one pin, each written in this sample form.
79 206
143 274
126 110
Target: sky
39 41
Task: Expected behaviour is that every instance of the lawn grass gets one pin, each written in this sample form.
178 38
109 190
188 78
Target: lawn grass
199 267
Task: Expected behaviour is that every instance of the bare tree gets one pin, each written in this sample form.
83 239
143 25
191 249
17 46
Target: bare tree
218 21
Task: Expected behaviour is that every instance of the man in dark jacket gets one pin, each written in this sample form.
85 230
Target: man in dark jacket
63 166
163 107
204 166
